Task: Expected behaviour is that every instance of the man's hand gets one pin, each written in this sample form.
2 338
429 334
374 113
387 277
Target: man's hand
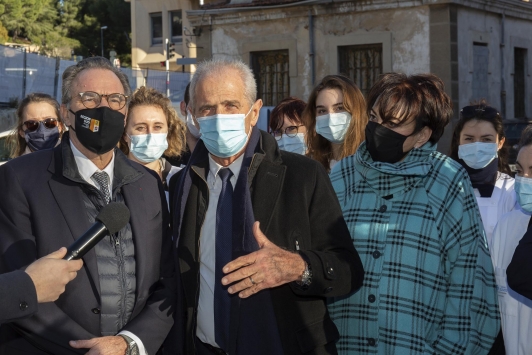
268 267
50 274
112 345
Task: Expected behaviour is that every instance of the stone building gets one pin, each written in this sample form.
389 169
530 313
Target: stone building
479 48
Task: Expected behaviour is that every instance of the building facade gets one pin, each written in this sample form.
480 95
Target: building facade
479 48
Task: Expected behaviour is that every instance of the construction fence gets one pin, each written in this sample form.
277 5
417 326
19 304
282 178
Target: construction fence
22 73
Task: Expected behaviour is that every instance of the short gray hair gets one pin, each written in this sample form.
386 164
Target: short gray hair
89 63
218 66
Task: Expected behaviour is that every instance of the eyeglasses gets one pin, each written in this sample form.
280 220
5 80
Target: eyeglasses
91 99
33 125
290 131
479 111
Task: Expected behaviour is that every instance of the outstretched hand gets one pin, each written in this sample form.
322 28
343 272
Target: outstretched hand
268 267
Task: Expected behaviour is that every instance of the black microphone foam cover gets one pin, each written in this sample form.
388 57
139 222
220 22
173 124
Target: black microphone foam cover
114 216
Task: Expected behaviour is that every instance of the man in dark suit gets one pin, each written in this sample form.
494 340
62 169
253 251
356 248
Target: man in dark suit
121 301
42 281
245 287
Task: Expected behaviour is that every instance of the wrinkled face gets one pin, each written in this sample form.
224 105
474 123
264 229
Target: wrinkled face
224 94
38 111
524 162
479 131
101 81
145 120
329 101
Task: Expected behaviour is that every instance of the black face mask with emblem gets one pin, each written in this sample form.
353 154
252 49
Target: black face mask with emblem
98 129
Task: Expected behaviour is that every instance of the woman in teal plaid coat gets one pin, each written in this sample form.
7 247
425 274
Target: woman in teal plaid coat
429 286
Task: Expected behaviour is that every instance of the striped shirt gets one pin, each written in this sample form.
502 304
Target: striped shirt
429 286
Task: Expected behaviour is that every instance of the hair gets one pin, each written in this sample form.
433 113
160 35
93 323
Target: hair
291 107
526 137
419 97
90 63
320 149
144 96
217 67
497 124
17 144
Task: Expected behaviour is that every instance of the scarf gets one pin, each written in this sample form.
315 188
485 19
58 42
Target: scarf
483 179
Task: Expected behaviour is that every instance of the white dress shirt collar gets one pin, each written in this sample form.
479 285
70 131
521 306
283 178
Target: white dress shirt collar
87 168
235 166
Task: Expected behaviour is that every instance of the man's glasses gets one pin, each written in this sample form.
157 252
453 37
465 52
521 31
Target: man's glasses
479 111
91 99
290 131
33 125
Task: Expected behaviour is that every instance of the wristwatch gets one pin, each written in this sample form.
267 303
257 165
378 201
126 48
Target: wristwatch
132 348
306 277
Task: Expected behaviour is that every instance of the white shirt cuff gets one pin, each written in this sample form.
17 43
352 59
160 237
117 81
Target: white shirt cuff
142 350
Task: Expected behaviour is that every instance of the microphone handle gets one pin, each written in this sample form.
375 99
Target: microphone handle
86 242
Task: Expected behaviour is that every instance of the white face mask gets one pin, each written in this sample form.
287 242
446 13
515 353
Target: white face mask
293 144
191 127
478 155
148 147
333 126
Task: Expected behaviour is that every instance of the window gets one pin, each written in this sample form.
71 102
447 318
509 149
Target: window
361 63
271 73
480 72
519 82
156 28
176 26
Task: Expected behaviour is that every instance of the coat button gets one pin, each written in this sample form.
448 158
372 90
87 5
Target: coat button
96 310
383 208
371 342
371 298
376 254
23 305
330 271
327 290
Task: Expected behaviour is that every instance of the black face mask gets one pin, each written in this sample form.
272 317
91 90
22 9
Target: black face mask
383 144
42 138
99 129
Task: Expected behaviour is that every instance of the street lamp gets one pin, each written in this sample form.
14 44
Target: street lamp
101 35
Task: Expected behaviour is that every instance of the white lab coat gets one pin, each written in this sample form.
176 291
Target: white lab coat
516 310
171 173
502 201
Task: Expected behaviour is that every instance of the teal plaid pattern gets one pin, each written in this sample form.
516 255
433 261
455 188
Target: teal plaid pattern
429 286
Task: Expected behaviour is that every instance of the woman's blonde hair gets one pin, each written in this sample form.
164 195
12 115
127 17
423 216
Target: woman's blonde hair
319 148
144 96
15 142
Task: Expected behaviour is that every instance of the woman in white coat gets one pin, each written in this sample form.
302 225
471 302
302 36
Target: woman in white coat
478 145
516 310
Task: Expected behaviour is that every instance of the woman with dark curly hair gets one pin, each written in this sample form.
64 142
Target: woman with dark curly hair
429 286
152 130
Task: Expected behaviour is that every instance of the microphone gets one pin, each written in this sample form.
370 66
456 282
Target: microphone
110 220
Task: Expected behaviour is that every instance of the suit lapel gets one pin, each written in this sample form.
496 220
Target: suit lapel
70 199
267 185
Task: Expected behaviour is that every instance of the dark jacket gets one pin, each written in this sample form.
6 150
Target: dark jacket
519 271
41 210
18 296
297 208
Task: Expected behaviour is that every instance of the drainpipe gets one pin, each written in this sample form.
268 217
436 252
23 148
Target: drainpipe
503 83
311 45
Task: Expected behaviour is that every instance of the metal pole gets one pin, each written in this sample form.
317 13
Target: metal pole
311 45
24 74
167 69
503 82
101 37
56 78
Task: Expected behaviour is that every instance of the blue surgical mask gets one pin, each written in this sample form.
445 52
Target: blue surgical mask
148 147
333 126
523 188
224 135
191 126
293 144
478 155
